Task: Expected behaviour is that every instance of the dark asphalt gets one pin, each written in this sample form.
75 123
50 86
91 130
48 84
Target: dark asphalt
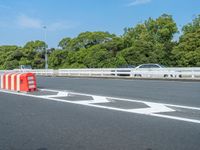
28 123
161 91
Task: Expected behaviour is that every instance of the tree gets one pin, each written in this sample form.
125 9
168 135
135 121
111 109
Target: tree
138 53
57 58
187 52
151 41
9 57
85 40
147 42
12 64
36 45
35 52
114 45
162 29
64 43
96 57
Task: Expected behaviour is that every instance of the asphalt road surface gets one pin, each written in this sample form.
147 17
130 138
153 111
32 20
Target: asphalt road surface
44 121
176 92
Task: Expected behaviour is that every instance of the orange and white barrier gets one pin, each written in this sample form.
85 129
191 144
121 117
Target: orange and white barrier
22 82
2 82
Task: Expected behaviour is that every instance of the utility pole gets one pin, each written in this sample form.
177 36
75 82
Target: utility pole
45 48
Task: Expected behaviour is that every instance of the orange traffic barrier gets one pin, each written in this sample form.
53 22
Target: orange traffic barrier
21 82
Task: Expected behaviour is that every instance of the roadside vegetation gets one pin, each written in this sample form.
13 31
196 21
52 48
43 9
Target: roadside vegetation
153 41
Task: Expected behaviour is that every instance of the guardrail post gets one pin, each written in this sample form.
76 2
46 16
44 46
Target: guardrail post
115 73
193 76
90 73
131 73
102 72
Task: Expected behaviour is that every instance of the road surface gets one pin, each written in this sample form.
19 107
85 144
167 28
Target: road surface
104 114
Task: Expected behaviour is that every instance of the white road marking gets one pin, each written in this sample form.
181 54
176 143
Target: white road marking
152 111
59 94
154 108
128 100
96 99
176 118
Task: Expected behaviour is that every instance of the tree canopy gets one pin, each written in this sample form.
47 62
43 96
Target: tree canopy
187 51
149 42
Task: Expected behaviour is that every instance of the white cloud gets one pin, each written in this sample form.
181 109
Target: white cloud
28 22
61 25
139 2
25 21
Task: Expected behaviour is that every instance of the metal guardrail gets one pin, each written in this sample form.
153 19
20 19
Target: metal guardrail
171 73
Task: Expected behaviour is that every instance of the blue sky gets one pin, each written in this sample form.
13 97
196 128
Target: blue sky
22 20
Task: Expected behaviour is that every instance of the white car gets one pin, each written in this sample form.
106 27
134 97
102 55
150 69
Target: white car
26 67
152 70
150 66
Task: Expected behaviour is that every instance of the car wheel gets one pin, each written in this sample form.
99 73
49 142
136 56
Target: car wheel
137 75
166 75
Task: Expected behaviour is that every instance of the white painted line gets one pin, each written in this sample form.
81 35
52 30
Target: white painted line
166 104
96 99
59 94
147 112
185 107
176 118
128 100
154 108
50 90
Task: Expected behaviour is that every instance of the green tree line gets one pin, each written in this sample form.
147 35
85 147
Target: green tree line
149 42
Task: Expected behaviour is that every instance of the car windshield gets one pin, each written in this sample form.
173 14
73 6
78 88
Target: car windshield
126 66
151 66
163 66
26 67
